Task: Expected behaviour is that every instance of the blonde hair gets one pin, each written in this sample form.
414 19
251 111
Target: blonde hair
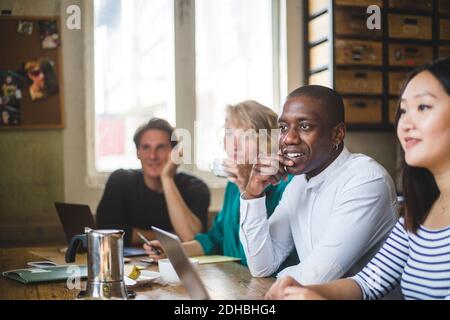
251 115
32 65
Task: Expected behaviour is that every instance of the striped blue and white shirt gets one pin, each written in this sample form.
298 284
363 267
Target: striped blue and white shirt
419 262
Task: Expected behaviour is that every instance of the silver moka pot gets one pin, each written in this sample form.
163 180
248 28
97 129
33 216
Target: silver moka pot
105 263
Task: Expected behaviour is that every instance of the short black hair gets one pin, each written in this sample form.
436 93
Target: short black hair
154 124
328 98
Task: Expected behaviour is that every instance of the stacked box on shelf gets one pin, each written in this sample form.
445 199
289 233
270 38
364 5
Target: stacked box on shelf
346 55
368 66
413 5
444 29
444 52
407 54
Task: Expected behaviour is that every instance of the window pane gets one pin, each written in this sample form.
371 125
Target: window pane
233 63
133 43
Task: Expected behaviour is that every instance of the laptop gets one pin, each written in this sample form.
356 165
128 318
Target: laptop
74 217
180 262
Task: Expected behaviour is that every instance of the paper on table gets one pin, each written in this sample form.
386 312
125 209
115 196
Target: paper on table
37 270
214 259
58 257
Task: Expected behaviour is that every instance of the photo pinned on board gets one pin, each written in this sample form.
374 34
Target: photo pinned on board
25 27
48 30
10 96
41 77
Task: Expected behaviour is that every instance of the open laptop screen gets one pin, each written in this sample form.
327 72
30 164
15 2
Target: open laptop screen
75 217
180 262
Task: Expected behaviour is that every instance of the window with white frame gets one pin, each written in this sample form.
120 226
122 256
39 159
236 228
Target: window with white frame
133 48
135 70
234 62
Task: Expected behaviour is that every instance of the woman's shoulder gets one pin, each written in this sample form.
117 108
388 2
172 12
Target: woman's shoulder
400 227
231 191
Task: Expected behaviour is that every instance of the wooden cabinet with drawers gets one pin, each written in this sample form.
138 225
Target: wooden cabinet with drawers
368 66
409 55
409 27
393 104
359 81
361 3
444 7
358 52
396 79
363 110
352 22
444 29
420 5
444 52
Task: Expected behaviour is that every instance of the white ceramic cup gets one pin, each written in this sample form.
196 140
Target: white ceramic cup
218 169
168 273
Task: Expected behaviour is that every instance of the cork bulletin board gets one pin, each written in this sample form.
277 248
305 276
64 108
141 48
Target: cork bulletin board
30 73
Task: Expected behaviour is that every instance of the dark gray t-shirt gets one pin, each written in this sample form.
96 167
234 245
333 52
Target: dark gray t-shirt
128 203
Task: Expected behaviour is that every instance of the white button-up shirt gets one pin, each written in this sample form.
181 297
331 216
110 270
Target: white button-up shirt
337 220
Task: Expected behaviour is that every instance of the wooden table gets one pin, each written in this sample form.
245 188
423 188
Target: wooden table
226 281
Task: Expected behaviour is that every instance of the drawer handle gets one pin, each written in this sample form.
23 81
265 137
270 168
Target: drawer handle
410 21
360 75
357 54
411 50
360 105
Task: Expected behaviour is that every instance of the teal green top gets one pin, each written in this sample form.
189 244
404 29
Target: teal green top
223 237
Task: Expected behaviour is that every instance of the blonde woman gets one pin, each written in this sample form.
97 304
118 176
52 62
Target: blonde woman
223 237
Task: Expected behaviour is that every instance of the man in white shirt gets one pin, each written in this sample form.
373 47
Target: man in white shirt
336 211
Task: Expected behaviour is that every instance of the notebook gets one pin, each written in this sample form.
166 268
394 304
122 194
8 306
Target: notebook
215 259
48 274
